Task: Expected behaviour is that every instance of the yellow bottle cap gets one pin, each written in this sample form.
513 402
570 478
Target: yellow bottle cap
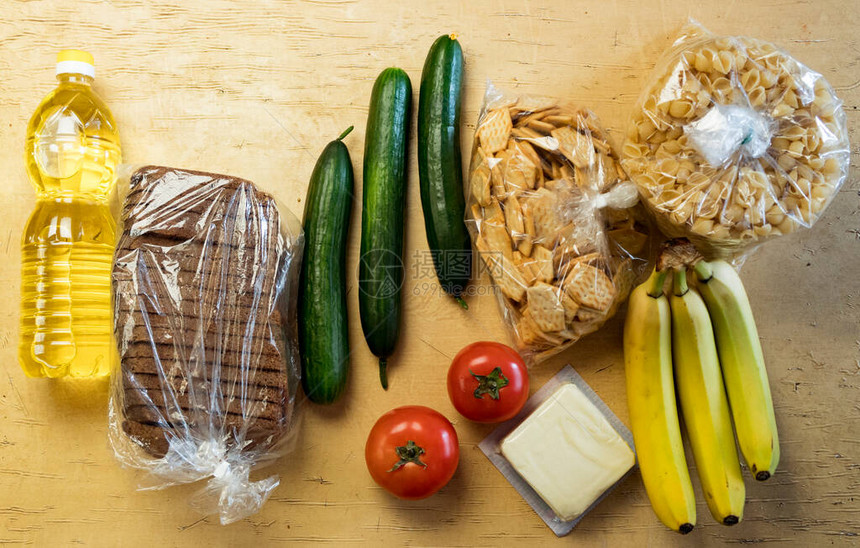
75 61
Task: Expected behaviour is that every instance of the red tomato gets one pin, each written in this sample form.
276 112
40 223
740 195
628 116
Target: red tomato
488 382
412 451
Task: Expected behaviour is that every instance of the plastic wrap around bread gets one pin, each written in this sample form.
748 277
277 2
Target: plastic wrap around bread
553 218
733 142
205 281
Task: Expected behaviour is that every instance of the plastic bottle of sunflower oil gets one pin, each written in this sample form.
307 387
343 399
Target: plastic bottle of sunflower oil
67 248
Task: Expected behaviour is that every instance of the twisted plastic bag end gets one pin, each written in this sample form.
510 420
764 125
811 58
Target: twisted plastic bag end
229 493
232 495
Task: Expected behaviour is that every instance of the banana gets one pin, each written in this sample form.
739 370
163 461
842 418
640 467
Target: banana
703 403
742 364
653 412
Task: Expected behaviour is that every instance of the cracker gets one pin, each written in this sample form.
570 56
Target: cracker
526 148
477 212
555 184
527 269
518 171
545 307
588 315
514 218
589 286
497 175
559 120
541 179
552 339
525 246
581 178
493 214
527 332
563 256
575 146
545 142
534 104
624 278
546 169
510 281
480 180
486 253
586 258
495 130
497 238
628 240
543 207
571 307
566 172
610 171
525 133
599 144
540 126
506 275
543 260
502 269
524 119
567 235
566 258
618 218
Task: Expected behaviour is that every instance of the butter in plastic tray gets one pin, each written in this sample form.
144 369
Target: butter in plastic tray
565 409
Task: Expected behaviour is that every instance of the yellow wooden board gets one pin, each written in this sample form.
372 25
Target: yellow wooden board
256 89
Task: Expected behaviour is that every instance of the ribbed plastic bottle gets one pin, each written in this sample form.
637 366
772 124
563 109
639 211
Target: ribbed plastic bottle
67 248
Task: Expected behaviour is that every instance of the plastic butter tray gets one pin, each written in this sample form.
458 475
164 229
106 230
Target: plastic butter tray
492 447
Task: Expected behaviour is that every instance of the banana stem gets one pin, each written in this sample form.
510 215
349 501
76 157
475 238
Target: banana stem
703 271
680 281
655 283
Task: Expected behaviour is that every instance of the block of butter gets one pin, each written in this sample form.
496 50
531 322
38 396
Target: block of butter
568 452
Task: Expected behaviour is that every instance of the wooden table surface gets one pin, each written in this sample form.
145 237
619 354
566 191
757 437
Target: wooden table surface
256 89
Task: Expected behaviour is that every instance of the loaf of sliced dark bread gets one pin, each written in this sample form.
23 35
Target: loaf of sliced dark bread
200 312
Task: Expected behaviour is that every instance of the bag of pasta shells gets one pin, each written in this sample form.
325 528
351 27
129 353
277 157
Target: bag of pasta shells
734 142
554 219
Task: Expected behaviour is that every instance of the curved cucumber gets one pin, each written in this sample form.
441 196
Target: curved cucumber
380 271
323 338
440 167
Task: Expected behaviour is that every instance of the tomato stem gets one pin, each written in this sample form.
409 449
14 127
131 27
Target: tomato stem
408 453
490 384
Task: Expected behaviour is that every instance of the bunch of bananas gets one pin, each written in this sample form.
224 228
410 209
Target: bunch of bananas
702 341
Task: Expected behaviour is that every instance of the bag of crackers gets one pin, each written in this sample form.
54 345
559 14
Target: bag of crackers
204 289
734 142
553 218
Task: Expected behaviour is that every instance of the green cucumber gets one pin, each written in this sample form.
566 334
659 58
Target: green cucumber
323 336
440 166
380 270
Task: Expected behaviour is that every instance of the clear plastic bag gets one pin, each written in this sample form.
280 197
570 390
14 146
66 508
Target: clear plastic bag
734 142
553 218
205 282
